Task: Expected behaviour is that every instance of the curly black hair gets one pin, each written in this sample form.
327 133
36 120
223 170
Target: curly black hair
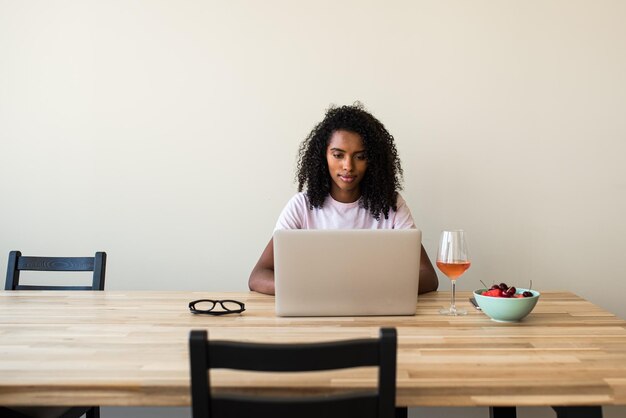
382 179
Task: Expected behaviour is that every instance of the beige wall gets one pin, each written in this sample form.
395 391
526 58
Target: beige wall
165 132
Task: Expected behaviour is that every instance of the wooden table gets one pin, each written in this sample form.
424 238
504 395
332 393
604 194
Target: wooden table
130 348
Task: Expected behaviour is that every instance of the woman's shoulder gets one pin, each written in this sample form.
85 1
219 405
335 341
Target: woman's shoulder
299 203
293 214
400 200
403 218
299 199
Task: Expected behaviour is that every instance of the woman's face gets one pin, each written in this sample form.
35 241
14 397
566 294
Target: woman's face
346 165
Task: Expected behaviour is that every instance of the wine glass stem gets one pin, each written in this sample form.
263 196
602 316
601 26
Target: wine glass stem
453 300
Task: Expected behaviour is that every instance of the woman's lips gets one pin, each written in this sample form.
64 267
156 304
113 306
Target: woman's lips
347 179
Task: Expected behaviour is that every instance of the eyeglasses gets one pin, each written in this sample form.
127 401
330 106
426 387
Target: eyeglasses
207 306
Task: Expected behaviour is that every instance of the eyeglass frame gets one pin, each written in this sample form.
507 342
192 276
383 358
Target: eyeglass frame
192 307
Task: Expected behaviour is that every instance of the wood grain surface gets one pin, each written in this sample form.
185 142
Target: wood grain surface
130 349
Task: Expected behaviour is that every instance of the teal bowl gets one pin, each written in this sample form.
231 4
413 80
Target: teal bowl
506 309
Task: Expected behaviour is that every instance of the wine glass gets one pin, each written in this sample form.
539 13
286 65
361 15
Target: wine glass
453 260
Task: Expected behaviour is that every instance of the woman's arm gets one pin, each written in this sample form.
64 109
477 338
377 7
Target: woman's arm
428 278
262 277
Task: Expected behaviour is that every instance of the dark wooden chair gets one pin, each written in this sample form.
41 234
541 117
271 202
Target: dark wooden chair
41 412
205 355
18 263
561 411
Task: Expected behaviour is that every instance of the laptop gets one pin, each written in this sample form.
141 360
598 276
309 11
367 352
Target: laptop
346 272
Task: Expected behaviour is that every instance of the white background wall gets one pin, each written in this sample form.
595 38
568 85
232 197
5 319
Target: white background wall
165 132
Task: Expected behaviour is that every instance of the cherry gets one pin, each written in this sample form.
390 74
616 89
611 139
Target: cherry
502 290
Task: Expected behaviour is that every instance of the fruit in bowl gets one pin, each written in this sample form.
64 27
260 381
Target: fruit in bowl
506 304
502 290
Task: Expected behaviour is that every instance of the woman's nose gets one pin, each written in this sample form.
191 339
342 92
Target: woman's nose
347 164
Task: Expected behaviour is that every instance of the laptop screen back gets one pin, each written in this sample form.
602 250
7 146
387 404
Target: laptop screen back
346 272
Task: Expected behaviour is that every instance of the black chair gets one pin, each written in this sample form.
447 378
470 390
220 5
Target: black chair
205 355
57 412
18 263
561 411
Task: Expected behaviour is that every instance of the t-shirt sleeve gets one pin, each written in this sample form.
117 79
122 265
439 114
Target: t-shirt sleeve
291 216
403 218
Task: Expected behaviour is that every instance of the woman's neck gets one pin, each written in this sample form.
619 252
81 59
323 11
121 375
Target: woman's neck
345 196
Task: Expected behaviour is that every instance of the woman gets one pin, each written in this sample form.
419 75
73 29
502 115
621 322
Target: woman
351 171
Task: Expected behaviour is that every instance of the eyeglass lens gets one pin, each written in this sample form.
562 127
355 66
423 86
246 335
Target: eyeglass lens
210 305
205 305
229 305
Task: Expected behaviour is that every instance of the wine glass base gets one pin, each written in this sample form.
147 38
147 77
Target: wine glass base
453 312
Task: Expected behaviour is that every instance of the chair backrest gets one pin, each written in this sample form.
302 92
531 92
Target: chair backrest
205 354
18 263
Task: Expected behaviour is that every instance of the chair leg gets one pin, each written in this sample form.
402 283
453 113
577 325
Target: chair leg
402 412
93 412
10 413
502 412
578 411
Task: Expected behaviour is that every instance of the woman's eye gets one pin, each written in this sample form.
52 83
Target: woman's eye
338 156
361 157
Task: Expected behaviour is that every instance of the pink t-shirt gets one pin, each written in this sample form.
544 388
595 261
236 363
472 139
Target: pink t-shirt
337 215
